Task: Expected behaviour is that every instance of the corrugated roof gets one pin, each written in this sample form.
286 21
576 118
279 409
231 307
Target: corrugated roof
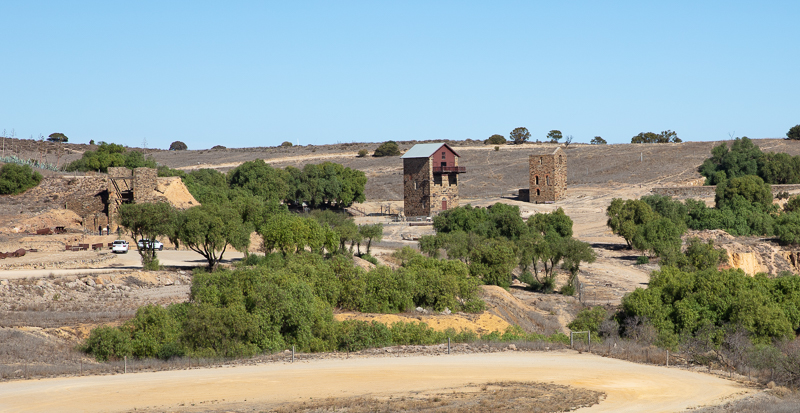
425 150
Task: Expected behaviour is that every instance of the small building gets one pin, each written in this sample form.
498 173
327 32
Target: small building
430 179
548 176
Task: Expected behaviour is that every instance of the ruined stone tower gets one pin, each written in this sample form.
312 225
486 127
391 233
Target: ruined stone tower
548 175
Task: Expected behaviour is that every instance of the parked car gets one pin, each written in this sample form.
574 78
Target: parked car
119 246
145 244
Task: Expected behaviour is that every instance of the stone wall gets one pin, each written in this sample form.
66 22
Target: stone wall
417 181
710 190
548 176
145 182
444 189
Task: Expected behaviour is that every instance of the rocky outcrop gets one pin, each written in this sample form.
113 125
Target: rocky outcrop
753 255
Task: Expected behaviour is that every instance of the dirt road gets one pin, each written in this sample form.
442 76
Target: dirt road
629 387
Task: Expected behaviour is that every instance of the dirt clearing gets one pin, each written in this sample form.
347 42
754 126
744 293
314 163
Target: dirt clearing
628 387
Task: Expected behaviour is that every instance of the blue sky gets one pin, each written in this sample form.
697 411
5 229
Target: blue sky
244 74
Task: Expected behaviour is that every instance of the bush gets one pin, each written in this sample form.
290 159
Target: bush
598 141
568 290
794 133
178 146
389 148
362 153
106 343
16 179
642 259
109 155
495 140
286 144
370 259
218 147
589 319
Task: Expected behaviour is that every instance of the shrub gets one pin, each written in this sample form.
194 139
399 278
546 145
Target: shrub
178 146
598 141
495 140
218 147
106 343
91 141
589 319
286 144
16 179
794 133
496 148
362 153
568 290
642 259
369 258
389 148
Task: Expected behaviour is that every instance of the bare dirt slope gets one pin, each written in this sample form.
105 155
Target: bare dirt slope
628 387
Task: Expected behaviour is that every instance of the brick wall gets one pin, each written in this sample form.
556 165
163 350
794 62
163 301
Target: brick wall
548 176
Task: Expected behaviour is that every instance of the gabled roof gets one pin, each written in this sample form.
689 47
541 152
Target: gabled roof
425 150
545 150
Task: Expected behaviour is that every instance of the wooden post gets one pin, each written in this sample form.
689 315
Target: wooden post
667 358
126 364
448 345
292 353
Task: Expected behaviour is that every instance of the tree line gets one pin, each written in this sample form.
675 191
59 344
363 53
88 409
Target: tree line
494 241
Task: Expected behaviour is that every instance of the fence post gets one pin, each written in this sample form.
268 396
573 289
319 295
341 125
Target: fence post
448 345
590 341
292 353
126 364
667 358
570 340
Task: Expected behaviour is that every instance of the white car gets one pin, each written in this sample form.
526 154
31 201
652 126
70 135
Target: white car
119 246
145 244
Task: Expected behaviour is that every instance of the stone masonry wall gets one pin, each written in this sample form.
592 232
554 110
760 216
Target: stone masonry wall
145 182
416 200
444 192
548 177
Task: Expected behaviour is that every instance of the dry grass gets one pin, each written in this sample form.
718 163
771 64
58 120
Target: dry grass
488 397
781 401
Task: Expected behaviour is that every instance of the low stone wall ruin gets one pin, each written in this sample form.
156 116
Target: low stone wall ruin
710 190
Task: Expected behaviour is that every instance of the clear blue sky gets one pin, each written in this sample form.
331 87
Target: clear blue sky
259 73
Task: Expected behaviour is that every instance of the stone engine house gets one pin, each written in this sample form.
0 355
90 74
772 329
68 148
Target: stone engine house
548 176
430 179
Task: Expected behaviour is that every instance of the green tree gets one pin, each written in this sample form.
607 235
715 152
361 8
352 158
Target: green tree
625 217
787 228
389 148
519 135
779 168
495 140
58 137
794 133
147 221
554 135
751 188
260 179
650 137
178 146
373 232
660 236
574 253
703 255
209 229
110 155
598 141
16 179
742 159
493 262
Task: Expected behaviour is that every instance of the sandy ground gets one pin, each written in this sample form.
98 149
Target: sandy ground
629 387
